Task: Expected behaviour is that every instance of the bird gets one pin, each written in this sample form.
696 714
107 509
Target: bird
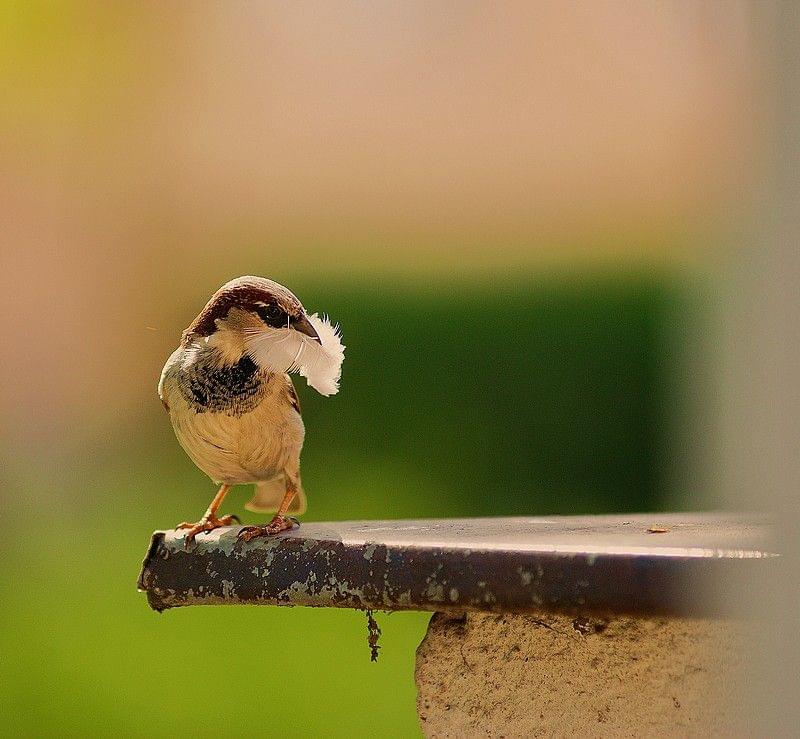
232 404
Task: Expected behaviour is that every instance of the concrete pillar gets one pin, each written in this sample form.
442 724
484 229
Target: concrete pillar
503 675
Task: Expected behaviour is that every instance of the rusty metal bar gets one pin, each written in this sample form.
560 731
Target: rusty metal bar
639 564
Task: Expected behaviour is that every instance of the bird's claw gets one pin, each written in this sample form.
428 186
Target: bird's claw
206 523
275 526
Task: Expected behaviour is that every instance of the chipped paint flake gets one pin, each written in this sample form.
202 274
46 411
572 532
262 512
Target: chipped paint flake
228 589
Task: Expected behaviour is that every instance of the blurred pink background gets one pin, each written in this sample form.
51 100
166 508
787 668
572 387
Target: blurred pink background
151 151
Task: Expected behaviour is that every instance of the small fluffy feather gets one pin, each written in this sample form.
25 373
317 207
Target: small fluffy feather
287 350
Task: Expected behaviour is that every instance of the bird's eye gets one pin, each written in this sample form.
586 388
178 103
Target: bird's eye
271 314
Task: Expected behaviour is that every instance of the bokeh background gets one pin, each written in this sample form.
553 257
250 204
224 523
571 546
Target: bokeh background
529 220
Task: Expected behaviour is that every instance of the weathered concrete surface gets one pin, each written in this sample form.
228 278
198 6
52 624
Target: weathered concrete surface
647 564
500 675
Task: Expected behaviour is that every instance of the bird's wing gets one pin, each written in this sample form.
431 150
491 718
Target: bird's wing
293 399
162 390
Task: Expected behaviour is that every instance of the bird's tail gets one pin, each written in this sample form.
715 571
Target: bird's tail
269 494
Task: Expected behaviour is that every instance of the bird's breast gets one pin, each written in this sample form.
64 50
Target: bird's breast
237 425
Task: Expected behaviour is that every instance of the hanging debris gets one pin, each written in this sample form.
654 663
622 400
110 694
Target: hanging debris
373 634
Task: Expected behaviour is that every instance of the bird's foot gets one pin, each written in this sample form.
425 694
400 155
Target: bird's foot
275 526
206 523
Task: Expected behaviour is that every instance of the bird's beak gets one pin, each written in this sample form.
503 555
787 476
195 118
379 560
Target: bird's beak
303 325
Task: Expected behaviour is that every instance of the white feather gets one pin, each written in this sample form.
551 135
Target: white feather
287 350
322 367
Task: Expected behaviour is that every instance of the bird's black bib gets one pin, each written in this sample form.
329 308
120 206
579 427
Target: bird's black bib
233 389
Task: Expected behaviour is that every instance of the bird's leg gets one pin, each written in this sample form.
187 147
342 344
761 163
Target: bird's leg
280 522
209 521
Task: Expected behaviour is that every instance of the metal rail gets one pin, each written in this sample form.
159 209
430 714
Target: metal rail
639 564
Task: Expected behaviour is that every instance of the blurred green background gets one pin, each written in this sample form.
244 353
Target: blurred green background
513 212
457 400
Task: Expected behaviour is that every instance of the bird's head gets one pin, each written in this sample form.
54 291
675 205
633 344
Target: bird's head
260 318
245 308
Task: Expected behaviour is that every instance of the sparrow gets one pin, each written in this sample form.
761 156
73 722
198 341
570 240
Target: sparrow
232 404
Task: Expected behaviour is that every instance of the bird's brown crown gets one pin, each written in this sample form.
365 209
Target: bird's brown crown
273 303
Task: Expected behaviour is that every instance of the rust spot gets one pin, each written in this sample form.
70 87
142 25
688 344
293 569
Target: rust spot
587 626
582 625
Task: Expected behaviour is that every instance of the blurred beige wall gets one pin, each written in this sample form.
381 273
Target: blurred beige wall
150 151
